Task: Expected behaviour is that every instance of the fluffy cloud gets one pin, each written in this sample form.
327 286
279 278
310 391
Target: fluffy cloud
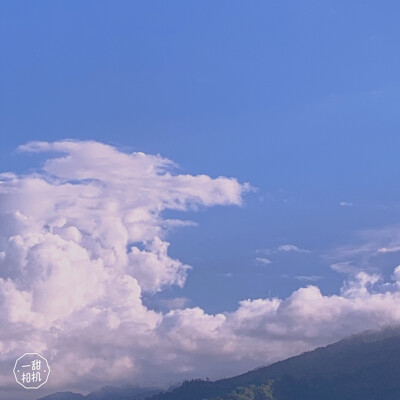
83 238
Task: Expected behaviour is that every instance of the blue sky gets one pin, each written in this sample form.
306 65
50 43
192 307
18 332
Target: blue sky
298 98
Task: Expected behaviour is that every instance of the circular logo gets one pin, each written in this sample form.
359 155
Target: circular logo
31 371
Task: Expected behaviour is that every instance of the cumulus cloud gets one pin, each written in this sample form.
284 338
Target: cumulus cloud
84 238
81 240
396 274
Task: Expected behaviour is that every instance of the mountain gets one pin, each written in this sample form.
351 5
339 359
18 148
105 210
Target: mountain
124 393
362 367
63 396
106 393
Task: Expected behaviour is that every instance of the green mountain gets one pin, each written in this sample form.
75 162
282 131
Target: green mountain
362 367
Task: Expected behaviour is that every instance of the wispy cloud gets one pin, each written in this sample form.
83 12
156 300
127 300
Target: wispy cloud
263 260
291 248
394 249
308 278
346 204
367 246
344 268
283 248
175 303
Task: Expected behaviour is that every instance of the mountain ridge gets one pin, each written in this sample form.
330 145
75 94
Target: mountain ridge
365 366
352 368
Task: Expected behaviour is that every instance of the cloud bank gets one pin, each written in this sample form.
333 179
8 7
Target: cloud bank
84 237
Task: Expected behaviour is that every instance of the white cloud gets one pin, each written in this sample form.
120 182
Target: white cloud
396 274
175 303
394 249
284 248
344 268
263 260
287 248
346 204
308 278
84 238
369 249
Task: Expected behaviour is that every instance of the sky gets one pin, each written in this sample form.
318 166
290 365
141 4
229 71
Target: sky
209 176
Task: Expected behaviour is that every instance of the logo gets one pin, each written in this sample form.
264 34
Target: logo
31 371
